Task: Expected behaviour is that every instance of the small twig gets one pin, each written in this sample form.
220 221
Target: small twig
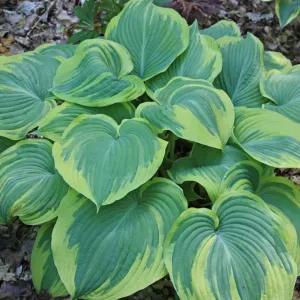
40 18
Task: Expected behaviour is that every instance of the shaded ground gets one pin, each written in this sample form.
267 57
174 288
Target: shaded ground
24 25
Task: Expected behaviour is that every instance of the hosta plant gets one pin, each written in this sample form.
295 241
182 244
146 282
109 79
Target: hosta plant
286 10
106 145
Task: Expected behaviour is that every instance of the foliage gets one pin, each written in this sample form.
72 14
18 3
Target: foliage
286 10
94 15
102 143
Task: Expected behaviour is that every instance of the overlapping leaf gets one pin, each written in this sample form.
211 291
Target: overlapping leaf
44 272
119 250
279 193
104 161
283 197
201 60
243 176
276 60
60 50
242 70
192 109
30 186
283 89
268 137
153 35
234 251
97 75
207 166
59 118
221 29
25 100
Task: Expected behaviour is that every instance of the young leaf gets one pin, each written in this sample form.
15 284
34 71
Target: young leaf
193 110
30 186
242 70
44 272
207 166
97 75
24 92
201 60
154 36
104 161
55 123
283 89
221 29
235 251
268 137
119 250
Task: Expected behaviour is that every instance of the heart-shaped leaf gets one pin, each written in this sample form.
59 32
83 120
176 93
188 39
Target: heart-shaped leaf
201 60
193 110
235 251
160 36
30 186
119 250
55 123
44 272
25 100
104 161
97 75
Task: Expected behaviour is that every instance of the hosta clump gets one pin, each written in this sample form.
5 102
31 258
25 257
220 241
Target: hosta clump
107 179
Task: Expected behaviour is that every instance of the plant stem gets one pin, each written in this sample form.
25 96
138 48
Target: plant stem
172 142
163 172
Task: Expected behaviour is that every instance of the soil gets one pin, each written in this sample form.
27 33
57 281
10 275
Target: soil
24 25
